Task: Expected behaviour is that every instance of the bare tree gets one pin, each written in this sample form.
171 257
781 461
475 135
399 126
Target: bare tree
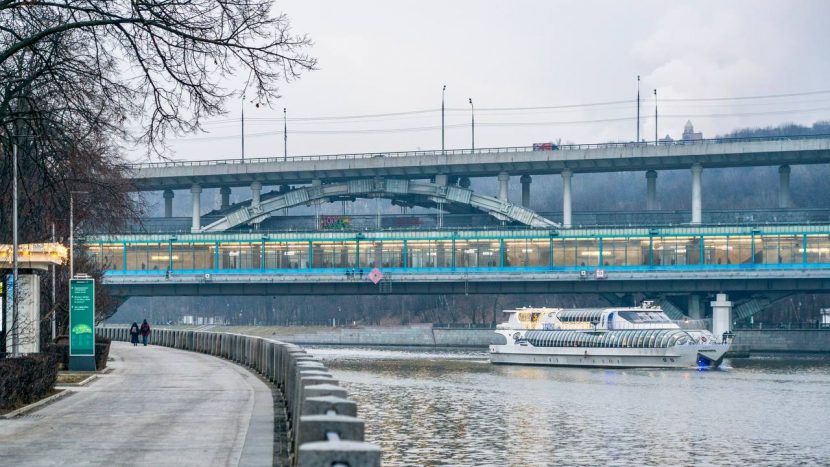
160 62
75 74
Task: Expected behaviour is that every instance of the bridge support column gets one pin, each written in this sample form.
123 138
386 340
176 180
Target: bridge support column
441 180
525 180
168 203
651 190
697 216
695 310
256 191
784 200
225 191
504 177
721 315
566 198
196 192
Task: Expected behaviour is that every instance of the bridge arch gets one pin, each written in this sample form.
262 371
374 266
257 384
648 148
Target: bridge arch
386 188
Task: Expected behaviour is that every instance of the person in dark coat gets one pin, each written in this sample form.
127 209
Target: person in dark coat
134 334
145 332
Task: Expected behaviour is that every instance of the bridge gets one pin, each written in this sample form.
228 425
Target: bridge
756 265
442 178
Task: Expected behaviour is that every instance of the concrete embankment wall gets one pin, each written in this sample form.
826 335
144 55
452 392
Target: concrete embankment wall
784 340
322 428
414 335
773 340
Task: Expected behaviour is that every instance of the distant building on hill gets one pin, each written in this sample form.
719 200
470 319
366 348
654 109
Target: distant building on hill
689 132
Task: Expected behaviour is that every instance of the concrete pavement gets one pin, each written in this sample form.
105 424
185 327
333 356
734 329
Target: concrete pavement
158 406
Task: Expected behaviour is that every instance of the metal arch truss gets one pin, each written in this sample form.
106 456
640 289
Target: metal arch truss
386 188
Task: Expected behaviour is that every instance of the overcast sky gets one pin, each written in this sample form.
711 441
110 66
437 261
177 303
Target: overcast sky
381 57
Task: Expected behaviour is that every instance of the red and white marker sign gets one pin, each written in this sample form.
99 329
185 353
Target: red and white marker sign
375 275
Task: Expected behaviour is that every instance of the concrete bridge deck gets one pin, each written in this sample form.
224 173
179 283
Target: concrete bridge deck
580 158
159 406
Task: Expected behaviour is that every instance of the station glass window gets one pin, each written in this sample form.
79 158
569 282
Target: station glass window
527 252
576 251
334 254
675 251
286 255
239 255
108 256
818 248
778 249
477 253
381 254
147 256
192 256
429 253
733 249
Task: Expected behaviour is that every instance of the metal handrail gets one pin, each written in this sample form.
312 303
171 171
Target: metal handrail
460 152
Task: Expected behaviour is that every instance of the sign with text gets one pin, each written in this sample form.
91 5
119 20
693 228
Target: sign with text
82 317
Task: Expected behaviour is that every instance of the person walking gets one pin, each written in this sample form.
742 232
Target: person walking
145 332
134 334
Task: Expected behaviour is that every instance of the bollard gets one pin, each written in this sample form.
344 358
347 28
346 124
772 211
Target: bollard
321 428
323 404
339 453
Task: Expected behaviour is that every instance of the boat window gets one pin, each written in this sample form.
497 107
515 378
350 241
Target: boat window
642 317
641 339
650 341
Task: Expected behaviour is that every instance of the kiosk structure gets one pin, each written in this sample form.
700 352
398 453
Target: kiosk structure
21 324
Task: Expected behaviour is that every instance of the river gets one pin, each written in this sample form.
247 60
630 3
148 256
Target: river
452 407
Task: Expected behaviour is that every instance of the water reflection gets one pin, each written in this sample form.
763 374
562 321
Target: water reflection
452 407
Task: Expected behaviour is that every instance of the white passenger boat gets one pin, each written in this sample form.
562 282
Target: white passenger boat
641 337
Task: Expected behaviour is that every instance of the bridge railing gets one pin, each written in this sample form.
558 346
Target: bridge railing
460 152
609 219
323 427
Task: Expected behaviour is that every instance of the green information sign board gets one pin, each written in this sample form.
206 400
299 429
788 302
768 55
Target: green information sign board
82 322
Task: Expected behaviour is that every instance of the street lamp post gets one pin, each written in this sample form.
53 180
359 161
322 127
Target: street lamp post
54 330
638 108
243 127
285 134
72 231
473 122
443 91
656 141
14 323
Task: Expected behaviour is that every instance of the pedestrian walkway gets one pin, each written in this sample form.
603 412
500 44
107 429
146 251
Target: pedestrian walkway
158 406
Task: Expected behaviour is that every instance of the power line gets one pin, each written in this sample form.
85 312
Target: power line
514 109
767 96
501 124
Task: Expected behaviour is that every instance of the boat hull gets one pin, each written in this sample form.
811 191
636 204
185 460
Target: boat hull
699 356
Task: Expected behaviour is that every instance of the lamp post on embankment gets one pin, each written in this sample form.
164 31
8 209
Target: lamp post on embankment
72 230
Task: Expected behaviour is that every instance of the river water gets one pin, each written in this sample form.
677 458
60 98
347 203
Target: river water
452 407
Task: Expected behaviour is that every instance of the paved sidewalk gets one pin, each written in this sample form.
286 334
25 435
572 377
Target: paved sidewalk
158 406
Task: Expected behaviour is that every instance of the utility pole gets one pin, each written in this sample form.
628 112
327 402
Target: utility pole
443 91
473 121
285 134
638 108
15 325
656 141
243 127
